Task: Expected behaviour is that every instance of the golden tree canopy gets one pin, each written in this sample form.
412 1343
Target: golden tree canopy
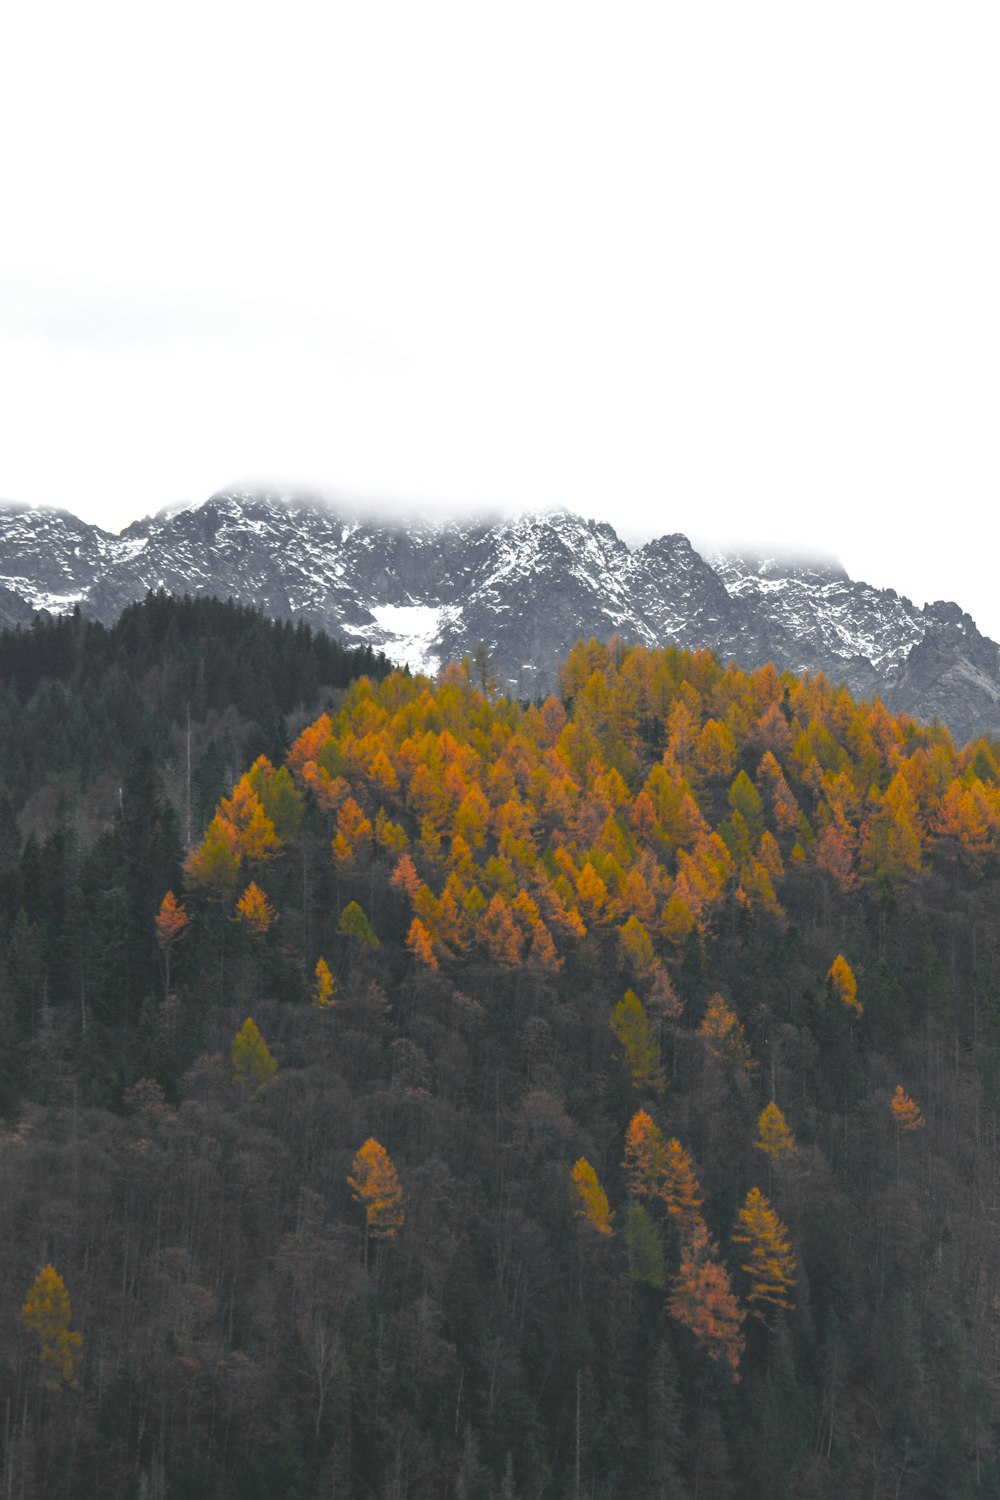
255 912
375 1184
844 985
590 1199
773 1135
171 920
770 1263
324 987
47 1313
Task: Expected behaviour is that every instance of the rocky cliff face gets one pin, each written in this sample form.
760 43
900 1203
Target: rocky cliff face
527 588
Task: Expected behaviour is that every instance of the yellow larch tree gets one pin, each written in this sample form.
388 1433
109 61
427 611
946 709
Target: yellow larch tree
47 1313
840 977
324 994
635 950
589 1198
640 1051
773 1135
770 1262
253 1064
645 1156
255 912
216 861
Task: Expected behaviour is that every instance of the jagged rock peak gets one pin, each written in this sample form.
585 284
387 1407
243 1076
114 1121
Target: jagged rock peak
427 590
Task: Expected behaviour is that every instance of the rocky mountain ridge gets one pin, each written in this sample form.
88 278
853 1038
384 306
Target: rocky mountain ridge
527 587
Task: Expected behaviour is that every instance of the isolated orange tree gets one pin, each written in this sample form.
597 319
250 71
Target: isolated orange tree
702 1299
375 1184
171 920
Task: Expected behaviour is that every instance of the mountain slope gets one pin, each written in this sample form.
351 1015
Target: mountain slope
528 588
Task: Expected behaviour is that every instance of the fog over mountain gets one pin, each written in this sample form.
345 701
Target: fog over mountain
427 592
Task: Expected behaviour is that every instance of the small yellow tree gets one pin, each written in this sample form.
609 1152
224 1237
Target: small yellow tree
773 1135
47 1313
253 1065
639 1050
255 912
842 982
770 1263
589 1198
324 994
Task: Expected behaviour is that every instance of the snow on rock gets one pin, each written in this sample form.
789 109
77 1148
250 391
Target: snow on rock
409 634
526 587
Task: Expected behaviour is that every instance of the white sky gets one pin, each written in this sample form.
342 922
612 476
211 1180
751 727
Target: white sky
730 269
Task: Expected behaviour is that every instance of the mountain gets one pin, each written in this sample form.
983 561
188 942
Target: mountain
426 593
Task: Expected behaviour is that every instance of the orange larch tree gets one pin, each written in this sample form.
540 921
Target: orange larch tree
171 920
375 1184
725 1041
679 1189
418 942
255 912
702 1299
645 1156
905 1111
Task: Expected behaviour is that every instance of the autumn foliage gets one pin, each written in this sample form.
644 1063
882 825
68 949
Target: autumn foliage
773 1135
253 1064
532 910
844 985
47 1314
171 921
770 1263
905 1111
590 1199
375 1184
702 1299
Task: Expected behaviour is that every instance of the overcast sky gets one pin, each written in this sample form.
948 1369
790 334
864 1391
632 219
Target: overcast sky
729 269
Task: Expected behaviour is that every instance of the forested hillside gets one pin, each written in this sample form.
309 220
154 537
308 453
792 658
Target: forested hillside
201 683
594 1098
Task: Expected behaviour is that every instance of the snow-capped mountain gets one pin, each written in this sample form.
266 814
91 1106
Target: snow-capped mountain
528 588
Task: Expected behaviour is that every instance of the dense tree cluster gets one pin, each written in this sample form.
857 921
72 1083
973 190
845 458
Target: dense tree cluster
74 693
504 1099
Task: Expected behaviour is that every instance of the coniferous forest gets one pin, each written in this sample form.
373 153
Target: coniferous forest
406 1092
